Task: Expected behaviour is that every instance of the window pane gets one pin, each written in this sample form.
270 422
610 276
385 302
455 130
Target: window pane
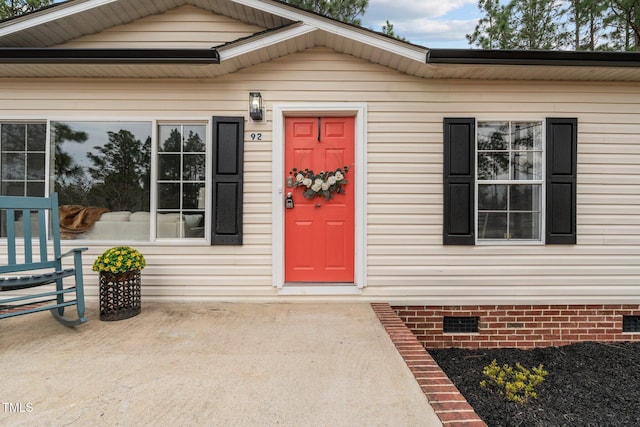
191 196
36 135
492 197
493 166
194 167
169 139
194 139
35 189
194 224
13 137
524 225
526 135
169 167
13 188
493 135
169 196
13 166
169 225
527 165
105 165
35 166
524 198
492 225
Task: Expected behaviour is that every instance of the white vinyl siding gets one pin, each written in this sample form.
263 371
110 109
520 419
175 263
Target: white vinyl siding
406 259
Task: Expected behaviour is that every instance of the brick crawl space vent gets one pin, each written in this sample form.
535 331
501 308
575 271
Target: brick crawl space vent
459 324
630 323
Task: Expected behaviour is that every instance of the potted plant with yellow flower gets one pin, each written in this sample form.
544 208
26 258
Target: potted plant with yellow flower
119 268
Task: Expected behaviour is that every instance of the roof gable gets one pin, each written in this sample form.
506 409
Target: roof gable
70 20
183 27
103 24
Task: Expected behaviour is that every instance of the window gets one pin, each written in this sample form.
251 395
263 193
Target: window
23 159
501 183
102 173
181 180
509 181
120 180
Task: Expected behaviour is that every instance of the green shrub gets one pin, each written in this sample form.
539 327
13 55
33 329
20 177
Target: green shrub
515 384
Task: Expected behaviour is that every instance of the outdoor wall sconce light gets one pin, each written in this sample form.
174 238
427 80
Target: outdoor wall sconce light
256 111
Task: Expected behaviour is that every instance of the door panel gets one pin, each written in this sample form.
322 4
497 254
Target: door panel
319 233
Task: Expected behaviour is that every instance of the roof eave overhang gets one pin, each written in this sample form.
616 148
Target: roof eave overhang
108 56
529 57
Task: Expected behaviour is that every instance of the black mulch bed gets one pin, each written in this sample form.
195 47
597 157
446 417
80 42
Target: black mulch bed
589 384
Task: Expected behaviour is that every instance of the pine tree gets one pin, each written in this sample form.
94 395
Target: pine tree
389 31
535 25
586 20
13 8
493 30
343 10
624 18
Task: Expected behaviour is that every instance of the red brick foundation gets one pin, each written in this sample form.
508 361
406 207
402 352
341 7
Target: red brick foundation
520 326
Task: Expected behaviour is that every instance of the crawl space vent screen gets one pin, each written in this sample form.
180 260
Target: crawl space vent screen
630 323
460 325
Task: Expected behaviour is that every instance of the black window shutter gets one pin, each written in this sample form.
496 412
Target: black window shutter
562 148
459 181
228 157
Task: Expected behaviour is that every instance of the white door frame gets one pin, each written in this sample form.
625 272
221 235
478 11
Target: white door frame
359 112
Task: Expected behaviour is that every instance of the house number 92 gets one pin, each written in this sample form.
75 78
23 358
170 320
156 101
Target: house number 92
256 137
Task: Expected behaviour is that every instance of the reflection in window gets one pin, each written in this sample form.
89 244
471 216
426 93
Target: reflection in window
181 180
103 167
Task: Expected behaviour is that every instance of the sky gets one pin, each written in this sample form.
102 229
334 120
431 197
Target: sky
429 23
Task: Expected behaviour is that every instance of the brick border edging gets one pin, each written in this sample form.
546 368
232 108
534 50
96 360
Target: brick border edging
448 403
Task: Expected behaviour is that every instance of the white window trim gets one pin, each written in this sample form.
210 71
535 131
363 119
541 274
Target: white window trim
542 182
359 111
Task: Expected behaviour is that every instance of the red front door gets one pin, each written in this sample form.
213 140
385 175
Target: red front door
319 233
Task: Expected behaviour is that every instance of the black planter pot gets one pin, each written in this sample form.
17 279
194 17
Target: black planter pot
119 295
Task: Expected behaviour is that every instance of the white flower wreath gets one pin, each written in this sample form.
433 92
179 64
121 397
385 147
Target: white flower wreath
323 184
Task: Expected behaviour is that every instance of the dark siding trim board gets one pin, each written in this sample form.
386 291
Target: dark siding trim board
562 148
108 56
459 181
533 57
227 185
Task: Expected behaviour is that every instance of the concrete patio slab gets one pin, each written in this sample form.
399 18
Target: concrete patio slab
215 364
